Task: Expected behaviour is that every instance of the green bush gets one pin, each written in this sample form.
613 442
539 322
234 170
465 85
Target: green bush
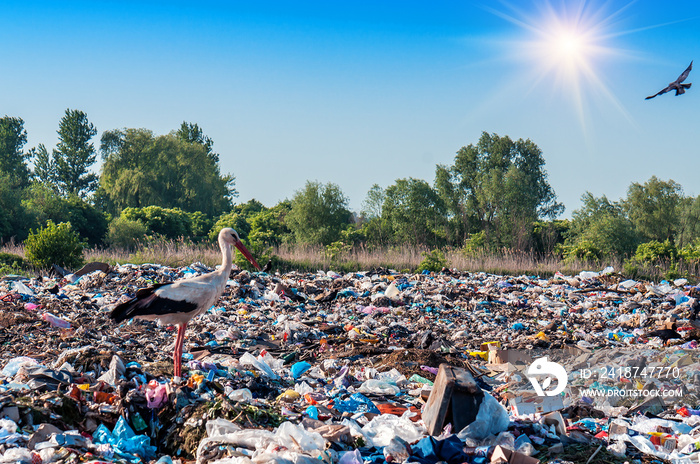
652 252
125 233
475 244
54 244
234 220
8 259
690 252
433 261
266 227
201 225
583 250
337 249
168 222
11 264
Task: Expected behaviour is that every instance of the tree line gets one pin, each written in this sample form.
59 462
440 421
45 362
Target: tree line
494 196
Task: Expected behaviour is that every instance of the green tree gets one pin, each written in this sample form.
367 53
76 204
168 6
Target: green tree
688 222
249 208
655 251
654 208
600 229
372 228
192 133
14 219
169 222
141 169
44 167
74 155
234 220
43 204
318 214
267 228
499 186
13 159
415 213
372 206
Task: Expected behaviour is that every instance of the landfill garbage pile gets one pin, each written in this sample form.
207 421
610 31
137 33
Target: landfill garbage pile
367 367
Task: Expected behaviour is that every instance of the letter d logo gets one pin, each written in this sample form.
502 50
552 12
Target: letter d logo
542 367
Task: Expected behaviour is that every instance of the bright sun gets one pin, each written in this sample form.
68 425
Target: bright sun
568 46
564 47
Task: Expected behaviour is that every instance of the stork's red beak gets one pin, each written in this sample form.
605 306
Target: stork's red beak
244 251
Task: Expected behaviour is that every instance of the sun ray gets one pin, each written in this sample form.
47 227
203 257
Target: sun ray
564 48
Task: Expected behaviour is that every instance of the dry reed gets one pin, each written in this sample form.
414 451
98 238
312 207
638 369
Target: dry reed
176 253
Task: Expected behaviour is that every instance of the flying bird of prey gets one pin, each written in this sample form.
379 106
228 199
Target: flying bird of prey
676 85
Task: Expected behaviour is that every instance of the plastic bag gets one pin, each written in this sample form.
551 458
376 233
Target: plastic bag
299 368
380 430
218 427
13 366
491 419
241 395
356 403
289 434
618 449
378 387
397 450
17 456
249 360
125 440
351 457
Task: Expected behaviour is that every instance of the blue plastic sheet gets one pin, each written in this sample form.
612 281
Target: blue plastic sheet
356 403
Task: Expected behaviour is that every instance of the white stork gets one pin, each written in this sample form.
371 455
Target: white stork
177 302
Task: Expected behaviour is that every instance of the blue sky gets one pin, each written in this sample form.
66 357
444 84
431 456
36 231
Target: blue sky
358 93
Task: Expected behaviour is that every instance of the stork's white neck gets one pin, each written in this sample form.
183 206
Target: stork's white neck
227 257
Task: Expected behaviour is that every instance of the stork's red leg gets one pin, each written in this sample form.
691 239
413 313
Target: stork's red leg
177 355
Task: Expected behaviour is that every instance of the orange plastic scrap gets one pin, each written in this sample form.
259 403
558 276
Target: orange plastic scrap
398 410
104 397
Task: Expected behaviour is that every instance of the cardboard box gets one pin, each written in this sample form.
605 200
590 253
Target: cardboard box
503 455
490 346
521 405
509 356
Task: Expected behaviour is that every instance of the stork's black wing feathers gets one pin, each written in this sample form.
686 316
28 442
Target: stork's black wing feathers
145 292
147 303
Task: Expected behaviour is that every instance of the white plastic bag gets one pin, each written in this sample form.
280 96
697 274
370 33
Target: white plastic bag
491 419
249 360
380 430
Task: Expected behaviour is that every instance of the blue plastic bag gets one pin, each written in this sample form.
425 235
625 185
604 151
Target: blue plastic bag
299 368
